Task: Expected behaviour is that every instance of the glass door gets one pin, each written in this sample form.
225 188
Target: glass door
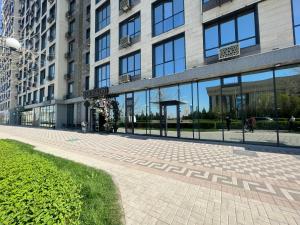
170 121
129 114
232 109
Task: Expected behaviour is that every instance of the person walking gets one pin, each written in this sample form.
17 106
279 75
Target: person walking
252 122
228 122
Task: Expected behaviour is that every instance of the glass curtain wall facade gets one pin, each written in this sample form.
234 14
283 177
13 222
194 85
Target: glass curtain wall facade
258 107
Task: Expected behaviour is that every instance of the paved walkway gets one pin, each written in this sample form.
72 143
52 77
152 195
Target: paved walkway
166 181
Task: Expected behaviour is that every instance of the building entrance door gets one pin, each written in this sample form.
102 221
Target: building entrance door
129 128
170 124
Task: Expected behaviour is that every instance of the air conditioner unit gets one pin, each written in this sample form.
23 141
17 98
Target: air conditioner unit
125 5
67 76
44 99
50 1
68 34
125 42
229 51
49 78
50 57
69 15
66 97
125 78
67 55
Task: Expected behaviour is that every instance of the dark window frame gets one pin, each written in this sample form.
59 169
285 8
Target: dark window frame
134 63
127 21
157 4
100 21
98 82
98 53
173 38
232 16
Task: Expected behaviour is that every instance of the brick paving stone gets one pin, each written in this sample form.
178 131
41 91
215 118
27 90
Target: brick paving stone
168 181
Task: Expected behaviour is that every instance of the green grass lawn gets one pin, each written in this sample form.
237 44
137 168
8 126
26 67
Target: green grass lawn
37 188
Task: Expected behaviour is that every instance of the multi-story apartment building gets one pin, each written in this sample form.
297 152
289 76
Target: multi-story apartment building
206 70
51 70
7 63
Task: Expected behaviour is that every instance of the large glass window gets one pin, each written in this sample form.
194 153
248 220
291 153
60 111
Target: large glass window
102 47
50 92
287 82
296 20
241 28
102 16
154 112
131 27
102 75
167 15
169 57
121 106
131 64
259 107
51 72
186 111
140 112
209 114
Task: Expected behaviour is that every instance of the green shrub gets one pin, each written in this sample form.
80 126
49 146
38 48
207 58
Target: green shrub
33 190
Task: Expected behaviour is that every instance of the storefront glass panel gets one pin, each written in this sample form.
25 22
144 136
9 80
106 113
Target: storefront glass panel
121 104
288 105
232 114
260 123
195 112
209 116
140 113
154 112
186 111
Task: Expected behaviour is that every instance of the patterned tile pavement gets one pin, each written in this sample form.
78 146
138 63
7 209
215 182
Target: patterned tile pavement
167 181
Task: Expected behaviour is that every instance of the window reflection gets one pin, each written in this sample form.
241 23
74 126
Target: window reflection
241 29
209 115
259 111
168 14
140 113
154 112
186 111
296 20
169 57
288 105
121 106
